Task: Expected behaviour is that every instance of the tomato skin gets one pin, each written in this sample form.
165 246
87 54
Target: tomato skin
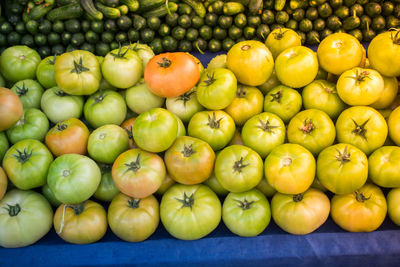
45 72
185 105
313 129
251 62
300 214
263 132
190 212
216 88
290 168
73 178
59 106
383 166
393 203
18 63
171 74
11 108
107 142
122 67
247 213
32 221
3 145
265 188
140 99
107 189
244 165
144 52
361 211
383 53
342 168
77 72
217 62
26 164
138 173
296 66
166 184
155 130
189 160
249 101
280 39
339 52
390 90
133 220
29 92
105 107
363 127
283 101
68 137
3 183
49 195
322 95
270 84
215 186
360 86
394 125
128 125
215 127
32 125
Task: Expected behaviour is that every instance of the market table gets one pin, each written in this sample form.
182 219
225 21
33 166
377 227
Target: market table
327 246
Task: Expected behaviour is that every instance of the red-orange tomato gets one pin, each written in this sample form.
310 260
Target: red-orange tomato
68 137
10 108
171 74
3 183
127 125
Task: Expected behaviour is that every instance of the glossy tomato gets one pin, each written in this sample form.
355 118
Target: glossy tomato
300 214
280 39
82 223
342 168
394 126
290 168
393 204
26 164
216 187
3 183
25 217
140 99
189 160
383 166
171 74
217 62
133 220
247 213
29 92
270 84
166 184
127 125
138 173
11 108
45 72
144 52
390 90
185 105
251 62
49 195
68 137
190 212
107 189
3 145
361 211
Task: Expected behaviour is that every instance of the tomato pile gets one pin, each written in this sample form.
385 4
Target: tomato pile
163 139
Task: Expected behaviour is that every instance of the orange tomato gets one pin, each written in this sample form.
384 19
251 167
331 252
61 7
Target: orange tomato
10 108
127 125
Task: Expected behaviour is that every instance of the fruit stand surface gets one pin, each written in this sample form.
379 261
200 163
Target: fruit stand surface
327 246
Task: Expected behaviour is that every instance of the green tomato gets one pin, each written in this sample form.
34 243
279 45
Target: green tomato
185 105
290 168
215 127
26 164
280 39
215 186
107 142
29 92
25 217
265 188
216 88
313 129
105 107
45 72
342 168
283 101
270 84
59 106
181 126
383 166
393 205
155 130
2 81
247 213
190 212
32 125
322 95
238 168
107 189
140 99
77 72
73 178
49 195
122 67
263 132
18 63
144 52
3 145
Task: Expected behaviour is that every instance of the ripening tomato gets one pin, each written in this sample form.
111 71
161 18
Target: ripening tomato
265 188
217 62
393 202
270 84
68 137
251 62
280 39
361 211
383 166
171 74
394 125
166 184
11 108
185 105
82 223
127 125
390 89
3 183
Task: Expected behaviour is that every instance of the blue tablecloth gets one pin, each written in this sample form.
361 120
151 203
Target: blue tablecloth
327 246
